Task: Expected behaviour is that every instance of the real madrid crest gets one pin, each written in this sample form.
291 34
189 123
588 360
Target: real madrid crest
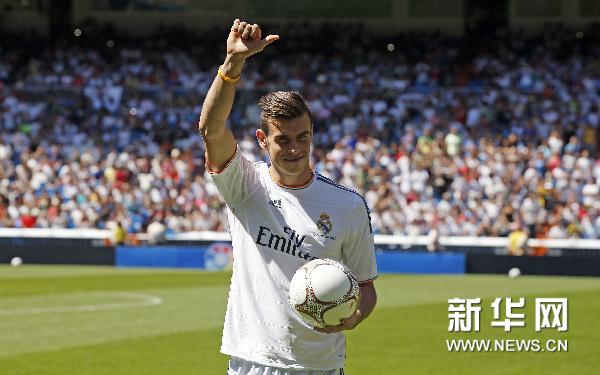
324 224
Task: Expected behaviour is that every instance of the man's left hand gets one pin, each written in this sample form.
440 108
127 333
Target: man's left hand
345 324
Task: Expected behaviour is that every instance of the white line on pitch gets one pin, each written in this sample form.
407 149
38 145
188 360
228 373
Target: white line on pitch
143 300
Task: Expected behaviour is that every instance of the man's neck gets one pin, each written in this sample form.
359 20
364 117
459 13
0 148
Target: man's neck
298 181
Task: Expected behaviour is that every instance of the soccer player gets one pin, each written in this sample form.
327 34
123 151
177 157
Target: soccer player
281 216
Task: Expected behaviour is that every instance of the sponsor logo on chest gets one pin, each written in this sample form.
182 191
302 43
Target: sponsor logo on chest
289 244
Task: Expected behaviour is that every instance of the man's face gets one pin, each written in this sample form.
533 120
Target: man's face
288 145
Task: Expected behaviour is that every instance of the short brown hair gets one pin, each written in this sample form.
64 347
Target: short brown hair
281 105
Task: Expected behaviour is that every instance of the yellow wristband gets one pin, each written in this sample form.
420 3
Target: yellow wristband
227 79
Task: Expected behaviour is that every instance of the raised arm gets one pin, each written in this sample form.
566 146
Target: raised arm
244 41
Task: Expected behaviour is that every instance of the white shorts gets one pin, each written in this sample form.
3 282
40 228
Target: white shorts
238 366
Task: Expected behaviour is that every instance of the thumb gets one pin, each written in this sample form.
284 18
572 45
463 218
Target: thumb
270 39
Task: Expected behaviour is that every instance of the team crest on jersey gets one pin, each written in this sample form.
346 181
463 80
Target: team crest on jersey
324 224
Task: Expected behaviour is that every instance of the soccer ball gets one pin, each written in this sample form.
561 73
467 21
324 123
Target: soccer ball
323 292
514 272
16 261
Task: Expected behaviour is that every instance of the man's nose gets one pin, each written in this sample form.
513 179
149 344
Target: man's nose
294 146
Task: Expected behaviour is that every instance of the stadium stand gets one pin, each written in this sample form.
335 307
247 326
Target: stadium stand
436 134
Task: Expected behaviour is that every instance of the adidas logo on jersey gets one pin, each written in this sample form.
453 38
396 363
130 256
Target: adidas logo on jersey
275 203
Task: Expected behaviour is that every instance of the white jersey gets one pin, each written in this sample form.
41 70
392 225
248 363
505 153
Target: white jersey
274 231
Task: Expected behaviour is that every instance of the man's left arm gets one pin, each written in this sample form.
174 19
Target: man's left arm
359 255
368 300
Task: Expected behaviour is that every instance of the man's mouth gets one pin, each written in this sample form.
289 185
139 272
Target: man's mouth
294 158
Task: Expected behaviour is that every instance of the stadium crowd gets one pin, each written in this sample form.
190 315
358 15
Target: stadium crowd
434 132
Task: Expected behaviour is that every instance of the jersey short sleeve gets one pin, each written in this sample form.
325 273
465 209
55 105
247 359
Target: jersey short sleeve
358 250
237 181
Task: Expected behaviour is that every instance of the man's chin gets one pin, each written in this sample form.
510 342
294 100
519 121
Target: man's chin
293 171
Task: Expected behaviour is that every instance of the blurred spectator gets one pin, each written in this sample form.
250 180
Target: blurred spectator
156 233
517 241
452 142
119 234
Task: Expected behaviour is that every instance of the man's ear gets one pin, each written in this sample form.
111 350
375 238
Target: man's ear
262 138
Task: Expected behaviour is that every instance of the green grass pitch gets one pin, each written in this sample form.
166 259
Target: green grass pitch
104 320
